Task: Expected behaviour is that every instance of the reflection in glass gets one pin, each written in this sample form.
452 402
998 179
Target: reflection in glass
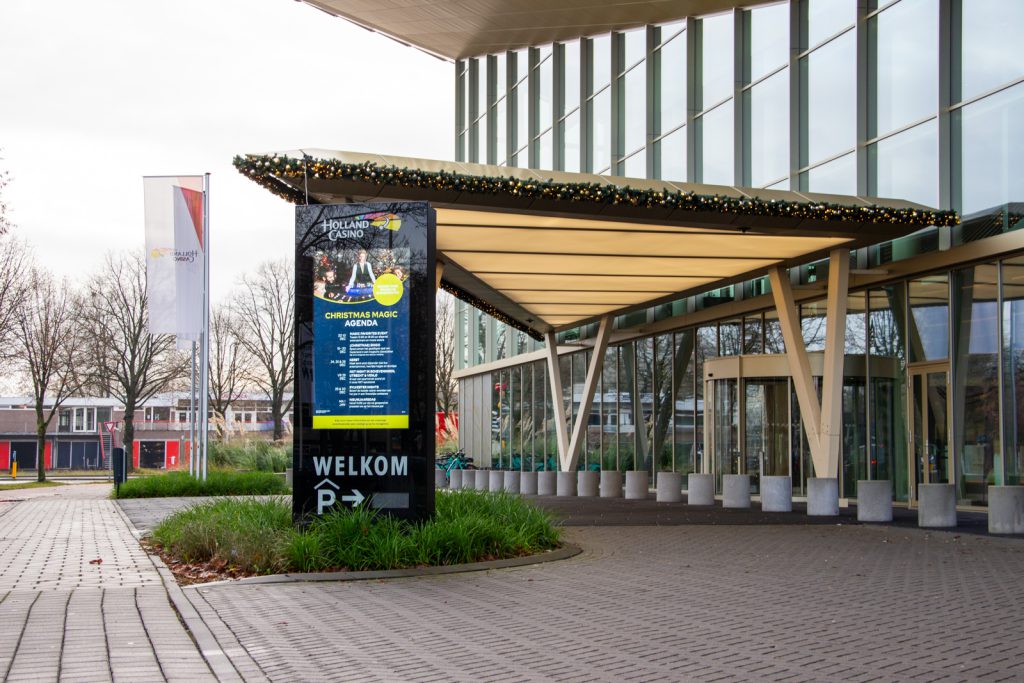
715 140
766 429
773 342
515 446
930 436
906 66
814 325
769 129
579 377
610 411
928 336
830 77
752 338
729 342
886 368
992 134
642 402
716 54
991 44
629 417
976 381
769 44
684 420
1013 368
905 166
525 459
726 429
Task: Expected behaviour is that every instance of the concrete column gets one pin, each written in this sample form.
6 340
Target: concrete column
822 497
455 479
736 490
566 484
874 500
440 480
528 483
776 494
669 487
495 480
936 506
636 484
511 481
611 484
482 479
587 483
1006 509
700 489
289 476
546 483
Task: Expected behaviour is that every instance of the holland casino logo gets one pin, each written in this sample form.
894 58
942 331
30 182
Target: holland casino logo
178 255
340 228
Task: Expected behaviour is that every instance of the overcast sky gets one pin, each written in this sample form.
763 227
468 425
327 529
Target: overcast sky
94 95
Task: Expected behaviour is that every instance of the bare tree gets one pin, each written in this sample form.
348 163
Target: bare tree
5 209
14 271
446 386
230 365
126 361
46 329
265 306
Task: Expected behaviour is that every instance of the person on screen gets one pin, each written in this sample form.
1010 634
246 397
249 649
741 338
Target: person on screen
362 273
332 288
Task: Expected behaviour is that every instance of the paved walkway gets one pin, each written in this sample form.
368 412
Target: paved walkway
79 598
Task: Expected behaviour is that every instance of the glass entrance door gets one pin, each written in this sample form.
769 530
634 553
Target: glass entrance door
766 429
929 434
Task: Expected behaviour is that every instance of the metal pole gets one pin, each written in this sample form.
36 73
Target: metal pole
205 368
192 417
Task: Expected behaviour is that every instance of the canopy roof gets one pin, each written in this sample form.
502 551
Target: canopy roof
548 250
470 28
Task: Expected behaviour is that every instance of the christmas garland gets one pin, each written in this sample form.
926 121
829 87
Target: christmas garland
265 170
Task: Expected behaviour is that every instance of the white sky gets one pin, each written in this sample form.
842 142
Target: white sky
96 94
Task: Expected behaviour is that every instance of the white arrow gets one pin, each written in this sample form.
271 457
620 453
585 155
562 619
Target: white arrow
327 481
356 498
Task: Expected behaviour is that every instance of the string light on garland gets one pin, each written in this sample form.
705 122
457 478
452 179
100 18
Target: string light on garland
269 170
490 310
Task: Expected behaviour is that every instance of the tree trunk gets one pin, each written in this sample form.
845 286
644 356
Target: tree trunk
40 448
278 423
129 439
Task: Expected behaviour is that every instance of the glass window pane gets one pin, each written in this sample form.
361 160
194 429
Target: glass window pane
571 97
828 17
716 59
729 342
831 99
629 418
992 133
905 166
1013 368
610 411
838 176
991 44
673 83
814 325
602 129
715 131
634 47
769 39
544 85
752 340
571 138
547 151
501 70
906 72
928 336
769 130
602 62
634 93
635 166
501 139
683 420
672 150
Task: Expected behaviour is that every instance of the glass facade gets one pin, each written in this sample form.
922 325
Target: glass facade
913 99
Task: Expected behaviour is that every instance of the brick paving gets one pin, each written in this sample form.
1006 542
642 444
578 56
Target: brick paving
705 603
64 616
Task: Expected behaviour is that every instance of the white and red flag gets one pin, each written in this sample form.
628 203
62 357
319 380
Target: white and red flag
175 258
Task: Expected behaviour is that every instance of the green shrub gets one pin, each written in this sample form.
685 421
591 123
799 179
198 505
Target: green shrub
218 483
255 456
258 537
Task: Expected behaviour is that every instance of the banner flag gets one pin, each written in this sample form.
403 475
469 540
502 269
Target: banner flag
175 263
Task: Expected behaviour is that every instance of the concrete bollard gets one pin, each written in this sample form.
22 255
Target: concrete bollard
874 500
528 483
668 487
700 489
455 480
736 490
611 484
482 479
776 494
440 480
289 476
469 479
936 506
511 482
1006 509
496 480
822 497
566 484
637 484
546 483
588 484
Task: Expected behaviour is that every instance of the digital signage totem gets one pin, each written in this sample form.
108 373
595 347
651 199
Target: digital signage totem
364 355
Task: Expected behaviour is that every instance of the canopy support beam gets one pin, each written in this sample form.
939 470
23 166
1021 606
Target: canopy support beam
582 417
557 398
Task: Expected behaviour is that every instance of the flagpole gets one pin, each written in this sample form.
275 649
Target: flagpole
204 414
192 417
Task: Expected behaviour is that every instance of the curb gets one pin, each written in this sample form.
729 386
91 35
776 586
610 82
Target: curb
215 657
567 551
